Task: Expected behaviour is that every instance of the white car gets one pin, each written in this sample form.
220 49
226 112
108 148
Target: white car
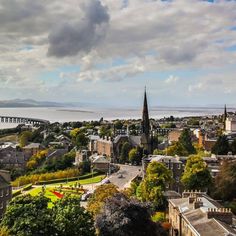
86 196
106 181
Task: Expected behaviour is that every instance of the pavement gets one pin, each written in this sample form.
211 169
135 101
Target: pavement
128 173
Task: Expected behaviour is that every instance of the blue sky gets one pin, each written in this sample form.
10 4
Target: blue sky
105 52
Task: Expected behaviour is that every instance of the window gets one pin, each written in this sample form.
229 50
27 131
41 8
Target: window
179 166
1 192
1 205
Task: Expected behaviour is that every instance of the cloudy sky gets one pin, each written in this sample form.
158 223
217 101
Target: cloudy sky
106 51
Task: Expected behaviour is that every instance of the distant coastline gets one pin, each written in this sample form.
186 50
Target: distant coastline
71 110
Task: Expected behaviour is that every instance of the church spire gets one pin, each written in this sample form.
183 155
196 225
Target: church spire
225 115
145 117
225 112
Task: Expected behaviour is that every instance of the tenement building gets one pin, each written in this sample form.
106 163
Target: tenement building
196 214
5 191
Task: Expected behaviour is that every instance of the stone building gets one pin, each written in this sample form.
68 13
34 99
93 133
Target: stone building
10 157
100 163
111 147
196 214
205 142
5 191
32 149
173 135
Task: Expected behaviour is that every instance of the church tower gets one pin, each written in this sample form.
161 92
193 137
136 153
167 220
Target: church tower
225 116
146 140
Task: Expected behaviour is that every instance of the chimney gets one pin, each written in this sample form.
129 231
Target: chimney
191 198
197 203
222 214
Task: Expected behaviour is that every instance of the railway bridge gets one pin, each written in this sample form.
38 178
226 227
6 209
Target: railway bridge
22 120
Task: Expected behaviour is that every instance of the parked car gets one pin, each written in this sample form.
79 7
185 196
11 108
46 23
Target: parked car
120 176
106 181
86 196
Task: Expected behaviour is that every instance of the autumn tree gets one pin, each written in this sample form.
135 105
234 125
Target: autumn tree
99 196
176 149
4 231
121 216
196 174
24 138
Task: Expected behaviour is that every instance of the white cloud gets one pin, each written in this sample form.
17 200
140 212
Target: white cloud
150 36
171 79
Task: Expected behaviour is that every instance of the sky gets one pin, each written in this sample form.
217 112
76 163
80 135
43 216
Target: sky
106 51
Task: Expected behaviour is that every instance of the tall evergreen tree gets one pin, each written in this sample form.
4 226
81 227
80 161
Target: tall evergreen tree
221 146
186 141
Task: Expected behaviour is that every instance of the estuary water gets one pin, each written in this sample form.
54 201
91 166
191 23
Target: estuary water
63 114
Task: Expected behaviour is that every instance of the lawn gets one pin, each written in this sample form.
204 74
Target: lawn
93 180
52 187
48 194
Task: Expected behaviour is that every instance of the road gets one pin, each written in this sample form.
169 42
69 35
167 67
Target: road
128 173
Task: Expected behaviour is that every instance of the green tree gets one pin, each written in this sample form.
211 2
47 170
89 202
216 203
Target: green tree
29 216
186 141
176 149
81 140
233 147
124 154
122 216
225 181
99 197
154 184
118 124
24 138
134 156
196 174
72 219
221 146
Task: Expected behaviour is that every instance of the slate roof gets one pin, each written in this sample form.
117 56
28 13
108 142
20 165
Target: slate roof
198 219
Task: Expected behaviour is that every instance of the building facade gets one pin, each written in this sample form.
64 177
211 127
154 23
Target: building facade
196 214
5 191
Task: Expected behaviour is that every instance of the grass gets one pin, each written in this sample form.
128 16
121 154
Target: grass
48 194
93 180
52 187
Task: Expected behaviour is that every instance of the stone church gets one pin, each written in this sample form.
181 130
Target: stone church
111 147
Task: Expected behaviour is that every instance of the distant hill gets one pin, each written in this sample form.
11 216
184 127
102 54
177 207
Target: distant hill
31 103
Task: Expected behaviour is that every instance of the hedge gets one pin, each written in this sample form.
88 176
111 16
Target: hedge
16 193
27 187
19 191
54 181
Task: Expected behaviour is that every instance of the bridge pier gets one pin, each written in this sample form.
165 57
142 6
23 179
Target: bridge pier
22 120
